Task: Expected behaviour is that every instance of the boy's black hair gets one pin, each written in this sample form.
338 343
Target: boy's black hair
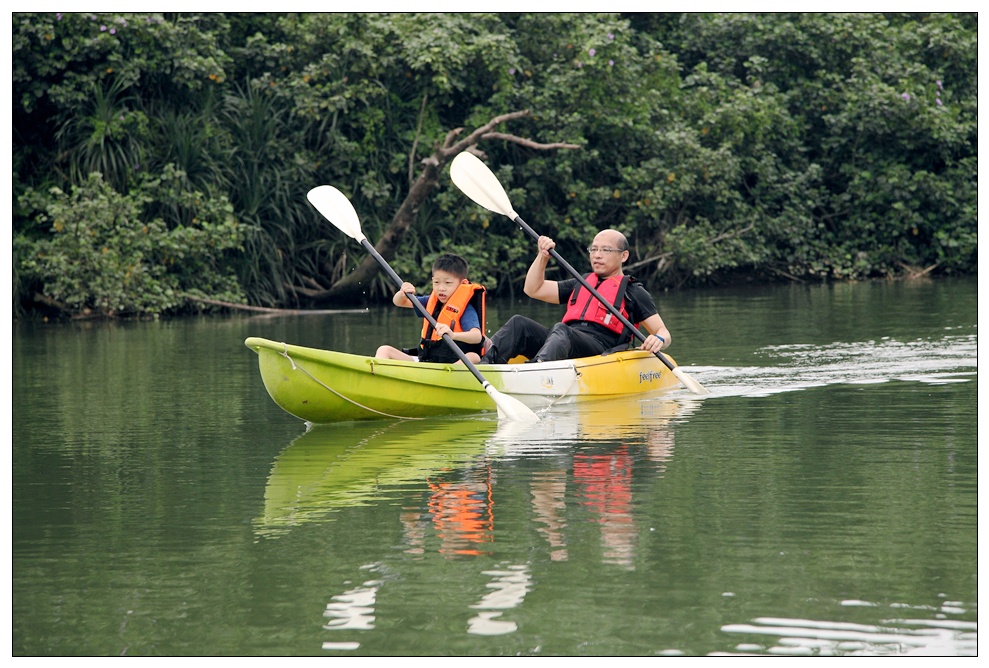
452 264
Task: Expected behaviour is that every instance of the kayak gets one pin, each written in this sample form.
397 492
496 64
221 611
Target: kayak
325 386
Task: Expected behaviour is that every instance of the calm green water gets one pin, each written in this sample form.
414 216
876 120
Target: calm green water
822 501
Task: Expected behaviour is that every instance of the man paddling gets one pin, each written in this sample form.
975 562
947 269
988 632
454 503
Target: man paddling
588 327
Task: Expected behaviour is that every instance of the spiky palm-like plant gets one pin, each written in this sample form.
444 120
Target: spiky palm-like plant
107 134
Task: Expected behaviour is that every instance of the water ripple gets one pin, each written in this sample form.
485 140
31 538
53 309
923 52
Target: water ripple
951 359
892 637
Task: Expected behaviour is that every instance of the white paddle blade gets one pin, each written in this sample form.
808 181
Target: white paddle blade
510 408
689 382
336 208
480 184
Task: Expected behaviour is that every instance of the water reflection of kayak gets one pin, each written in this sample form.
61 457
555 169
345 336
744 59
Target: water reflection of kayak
356 463
345 465
325 386
614 420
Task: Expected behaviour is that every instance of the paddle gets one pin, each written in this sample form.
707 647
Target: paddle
481 185
336 208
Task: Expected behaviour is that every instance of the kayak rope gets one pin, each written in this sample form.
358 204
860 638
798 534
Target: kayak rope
284 353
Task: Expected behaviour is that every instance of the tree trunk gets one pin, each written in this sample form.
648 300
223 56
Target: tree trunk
351 286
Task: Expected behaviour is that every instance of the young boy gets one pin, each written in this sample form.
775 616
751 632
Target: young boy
456 304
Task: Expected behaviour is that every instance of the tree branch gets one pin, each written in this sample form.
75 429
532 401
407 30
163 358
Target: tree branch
272 311
649 260
450 149
527 142
664 256
917 272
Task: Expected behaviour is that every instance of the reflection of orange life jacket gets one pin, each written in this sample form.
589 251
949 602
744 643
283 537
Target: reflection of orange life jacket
467 293
463 515
585 306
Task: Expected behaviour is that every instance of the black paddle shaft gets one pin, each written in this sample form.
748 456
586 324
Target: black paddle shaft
397 280
611 307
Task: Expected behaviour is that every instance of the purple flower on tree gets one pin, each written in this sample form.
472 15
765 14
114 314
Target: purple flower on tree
58 16
591 52
939 86
102 28
906 96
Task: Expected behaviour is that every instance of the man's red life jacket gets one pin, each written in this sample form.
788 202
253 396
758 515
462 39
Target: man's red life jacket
583 306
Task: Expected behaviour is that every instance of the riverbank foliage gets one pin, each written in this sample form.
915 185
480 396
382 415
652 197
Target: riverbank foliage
162 156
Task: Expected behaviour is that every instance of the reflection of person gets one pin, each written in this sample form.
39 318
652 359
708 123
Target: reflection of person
588 327
549 503
456 304
605 484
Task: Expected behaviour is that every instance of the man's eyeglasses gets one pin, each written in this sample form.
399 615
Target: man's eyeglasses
594 249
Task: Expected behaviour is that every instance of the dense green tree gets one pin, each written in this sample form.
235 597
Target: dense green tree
795 146
105 256
886 109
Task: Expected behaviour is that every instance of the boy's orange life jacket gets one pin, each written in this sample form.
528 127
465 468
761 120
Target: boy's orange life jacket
451 312
583 306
